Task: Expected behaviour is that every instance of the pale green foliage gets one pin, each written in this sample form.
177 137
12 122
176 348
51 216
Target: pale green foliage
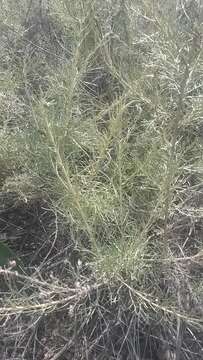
108 128
120 175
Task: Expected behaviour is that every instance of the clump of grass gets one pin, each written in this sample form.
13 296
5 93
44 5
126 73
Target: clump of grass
114 144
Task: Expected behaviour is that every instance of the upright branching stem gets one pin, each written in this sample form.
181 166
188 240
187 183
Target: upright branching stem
170 174
65 179
172 157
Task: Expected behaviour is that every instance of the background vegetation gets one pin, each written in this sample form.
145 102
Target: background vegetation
101 176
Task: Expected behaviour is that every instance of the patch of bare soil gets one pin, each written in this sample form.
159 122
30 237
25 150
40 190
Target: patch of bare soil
34 231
